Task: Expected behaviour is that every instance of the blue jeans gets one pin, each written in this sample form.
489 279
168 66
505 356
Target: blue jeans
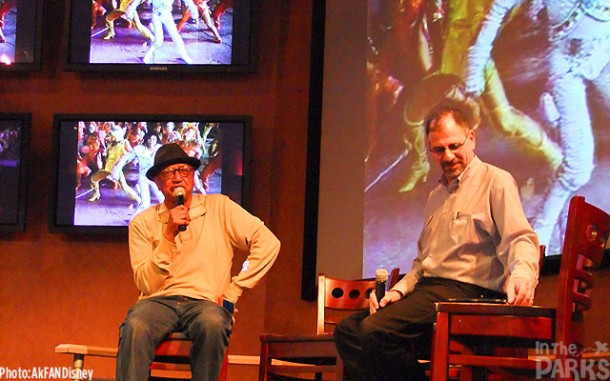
207 324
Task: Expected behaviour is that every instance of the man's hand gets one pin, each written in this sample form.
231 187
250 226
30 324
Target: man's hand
390 297
520 291
178 216
229 306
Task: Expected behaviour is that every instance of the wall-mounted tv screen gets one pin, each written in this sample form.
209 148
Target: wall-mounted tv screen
14 138
545 103
20 34
101 162
161 35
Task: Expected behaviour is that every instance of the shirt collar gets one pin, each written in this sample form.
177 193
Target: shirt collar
454 184
196 210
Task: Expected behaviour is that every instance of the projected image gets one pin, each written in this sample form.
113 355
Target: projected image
543 85
107 184
161 32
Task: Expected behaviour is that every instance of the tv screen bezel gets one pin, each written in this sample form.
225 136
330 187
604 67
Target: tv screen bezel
252 17
25 121
37 25
58 119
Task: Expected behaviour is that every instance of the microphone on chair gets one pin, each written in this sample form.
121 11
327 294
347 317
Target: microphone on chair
381 276
179 200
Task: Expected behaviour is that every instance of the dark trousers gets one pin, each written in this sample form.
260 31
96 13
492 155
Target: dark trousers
206 323
386 346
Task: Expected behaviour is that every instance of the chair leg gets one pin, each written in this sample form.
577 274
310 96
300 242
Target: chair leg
264 362
225 368
340 370
440 345
466 373
78 363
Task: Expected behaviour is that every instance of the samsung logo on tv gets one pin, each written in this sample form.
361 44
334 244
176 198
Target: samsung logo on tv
158 68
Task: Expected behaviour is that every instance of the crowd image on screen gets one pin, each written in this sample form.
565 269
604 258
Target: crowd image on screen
10 143
115 155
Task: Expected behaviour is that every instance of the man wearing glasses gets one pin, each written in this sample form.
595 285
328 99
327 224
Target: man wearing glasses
476 243
181 254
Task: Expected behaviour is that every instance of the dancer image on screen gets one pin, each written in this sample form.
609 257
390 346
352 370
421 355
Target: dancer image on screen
169 134
219 10
574 69
212 159
89 157
162 17
10 151
397 57
117 146
5 7
204 13
127 9
144 154
193 144
136 133
475 243
181 256
98 10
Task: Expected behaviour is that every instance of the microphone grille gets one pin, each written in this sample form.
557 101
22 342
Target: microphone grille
178 192
381 275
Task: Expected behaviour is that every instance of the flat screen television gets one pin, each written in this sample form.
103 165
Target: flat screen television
20 35
220 39
101 161
14 138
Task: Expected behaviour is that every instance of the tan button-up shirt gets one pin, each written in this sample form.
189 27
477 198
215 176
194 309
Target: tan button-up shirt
475 232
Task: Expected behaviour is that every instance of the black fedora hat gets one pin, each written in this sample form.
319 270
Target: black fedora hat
170 154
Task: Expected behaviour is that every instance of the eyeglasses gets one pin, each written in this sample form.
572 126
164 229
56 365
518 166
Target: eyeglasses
453 148
169 173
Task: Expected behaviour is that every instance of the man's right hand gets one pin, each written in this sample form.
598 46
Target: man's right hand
178 216
390 297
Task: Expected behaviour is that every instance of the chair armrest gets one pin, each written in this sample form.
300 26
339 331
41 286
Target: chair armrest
76 349
79 352
493 309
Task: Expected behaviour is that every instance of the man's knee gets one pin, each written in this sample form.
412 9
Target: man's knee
369 327
135 327
212 322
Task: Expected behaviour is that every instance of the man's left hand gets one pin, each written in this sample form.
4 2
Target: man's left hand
520 291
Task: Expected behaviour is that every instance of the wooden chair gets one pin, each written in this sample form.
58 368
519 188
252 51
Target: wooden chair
288 357
496 339
171 358
456 348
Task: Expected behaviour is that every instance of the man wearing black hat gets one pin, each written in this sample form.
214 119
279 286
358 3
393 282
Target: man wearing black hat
181 254
476 243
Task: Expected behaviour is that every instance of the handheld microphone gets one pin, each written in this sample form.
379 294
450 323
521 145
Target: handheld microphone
381 276
179 200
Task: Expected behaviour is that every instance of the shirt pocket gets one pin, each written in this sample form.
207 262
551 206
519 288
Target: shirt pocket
458 227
